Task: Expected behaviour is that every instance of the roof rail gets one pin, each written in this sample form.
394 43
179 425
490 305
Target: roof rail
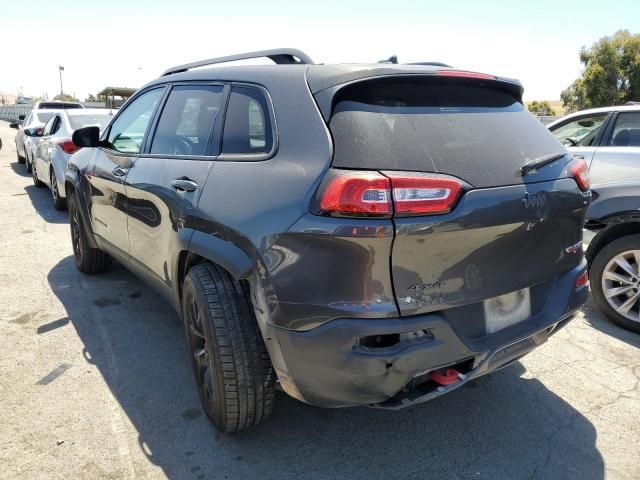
432 64
280 56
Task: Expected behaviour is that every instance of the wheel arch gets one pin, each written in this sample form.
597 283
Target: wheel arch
618 227
203 248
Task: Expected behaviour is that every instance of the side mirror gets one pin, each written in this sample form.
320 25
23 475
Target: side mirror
21 117
86 137
14 125
33 132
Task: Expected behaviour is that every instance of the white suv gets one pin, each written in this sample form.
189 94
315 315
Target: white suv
608 138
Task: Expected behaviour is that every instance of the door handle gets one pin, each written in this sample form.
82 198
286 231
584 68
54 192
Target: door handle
119 171
184 184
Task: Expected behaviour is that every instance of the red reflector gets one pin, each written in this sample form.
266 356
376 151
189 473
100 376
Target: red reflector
580 171
464 74
415 195
582 280
364 193
68 146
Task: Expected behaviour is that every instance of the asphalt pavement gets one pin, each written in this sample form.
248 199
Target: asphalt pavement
95 383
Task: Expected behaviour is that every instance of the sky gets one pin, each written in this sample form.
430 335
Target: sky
130 42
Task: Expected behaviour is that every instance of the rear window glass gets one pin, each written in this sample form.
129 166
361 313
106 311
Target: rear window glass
480 134
81 121
58 105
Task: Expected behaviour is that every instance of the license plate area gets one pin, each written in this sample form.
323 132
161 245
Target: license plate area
506 310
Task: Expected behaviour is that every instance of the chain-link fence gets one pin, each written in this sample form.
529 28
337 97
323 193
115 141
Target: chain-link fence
11 113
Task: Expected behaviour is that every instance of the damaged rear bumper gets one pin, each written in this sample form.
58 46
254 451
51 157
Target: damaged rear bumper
331 366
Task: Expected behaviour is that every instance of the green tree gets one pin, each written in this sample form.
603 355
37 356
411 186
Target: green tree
610 76
65 97
541 108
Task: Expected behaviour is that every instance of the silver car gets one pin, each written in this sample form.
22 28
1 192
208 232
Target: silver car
55 147
608 138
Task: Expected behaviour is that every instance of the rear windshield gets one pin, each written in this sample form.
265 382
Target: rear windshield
480 134
58 105
98 120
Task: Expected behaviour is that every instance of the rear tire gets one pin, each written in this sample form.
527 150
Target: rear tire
600 263
230 362
59 203
34 175
88 260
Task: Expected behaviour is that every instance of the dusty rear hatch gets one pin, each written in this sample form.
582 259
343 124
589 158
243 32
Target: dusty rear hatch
507 232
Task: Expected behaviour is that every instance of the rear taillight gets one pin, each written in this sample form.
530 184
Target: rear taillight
423 195
465 74
356 193
68 146
580 171
359 193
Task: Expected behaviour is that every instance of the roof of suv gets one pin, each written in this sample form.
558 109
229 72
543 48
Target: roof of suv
319 76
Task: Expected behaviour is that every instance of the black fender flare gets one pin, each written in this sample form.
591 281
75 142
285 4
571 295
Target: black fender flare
72 179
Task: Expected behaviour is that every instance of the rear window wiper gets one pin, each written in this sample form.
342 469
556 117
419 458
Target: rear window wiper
533 165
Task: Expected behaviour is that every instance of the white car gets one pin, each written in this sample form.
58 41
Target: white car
608 138
55 147
35 120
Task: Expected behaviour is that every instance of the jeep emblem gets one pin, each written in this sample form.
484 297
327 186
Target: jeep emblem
535 200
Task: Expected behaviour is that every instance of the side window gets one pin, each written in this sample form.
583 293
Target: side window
626 131
187 119
127 131
581 132
49 126
247 125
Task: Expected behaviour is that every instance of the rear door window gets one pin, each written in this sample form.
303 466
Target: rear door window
187 119
247 127
626 131
128 130
475 132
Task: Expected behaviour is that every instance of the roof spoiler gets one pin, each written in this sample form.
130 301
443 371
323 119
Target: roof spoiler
280 56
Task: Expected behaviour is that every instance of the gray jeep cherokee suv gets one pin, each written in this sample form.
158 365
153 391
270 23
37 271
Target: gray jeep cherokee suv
355 234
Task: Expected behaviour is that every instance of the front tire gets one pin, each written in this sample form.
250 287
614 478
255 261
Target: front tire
230 362
88 260
615 281
59 203
21 159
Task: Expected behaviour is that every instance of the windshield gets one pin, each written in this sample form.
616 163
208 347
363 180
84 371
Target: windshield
43 117
98 120
580 132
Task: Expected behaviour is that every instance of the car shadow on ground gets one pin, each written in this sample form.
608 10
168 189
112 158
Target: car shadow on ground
501 426
19 169
43 203
598 321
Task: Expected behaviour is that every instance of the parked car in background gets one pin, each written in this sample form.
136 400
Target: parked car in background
608 138
613 223
34 121
55 147
294 216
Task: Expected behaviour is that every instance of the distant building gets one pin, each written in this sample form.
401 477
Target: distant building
114 97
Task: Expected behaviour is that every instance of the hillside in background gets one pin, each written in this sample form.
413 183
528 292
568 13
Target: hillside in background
555 104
